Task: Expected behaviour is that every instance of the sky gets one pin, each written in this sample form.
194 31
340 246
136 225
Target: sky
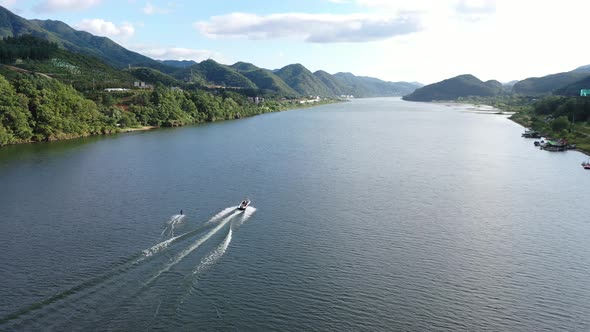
395 40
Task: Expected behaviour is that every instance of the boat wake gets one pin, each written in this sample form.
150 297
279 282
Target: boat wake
176 259
221 214
171 223
123 285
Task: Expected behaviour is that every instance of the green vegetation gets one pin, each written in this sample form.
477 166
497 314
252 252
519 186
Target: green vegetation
505 103
456 87
547 84
302 80
41 109
574 88
25 47
270 83
217 74
152 76
553 116
36 108
66 37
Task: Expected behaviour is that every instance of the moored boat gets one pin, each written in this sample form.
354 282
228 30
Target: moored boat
531 133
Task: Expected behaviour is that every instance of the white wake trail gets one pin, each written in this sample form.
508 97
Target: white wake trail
175 219
215 255
175 222
192 247
221 214
247 214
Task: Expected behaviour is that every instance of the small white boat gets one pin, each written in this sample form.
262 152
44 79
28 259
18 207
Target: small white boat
245 203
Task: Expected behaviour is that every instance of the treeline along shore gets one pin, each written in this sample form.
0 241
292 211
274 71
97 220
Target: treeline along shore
35 108
560 117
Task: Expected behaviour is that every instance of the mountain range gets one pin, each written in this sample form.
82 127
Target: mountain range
565 84
290 81
453 88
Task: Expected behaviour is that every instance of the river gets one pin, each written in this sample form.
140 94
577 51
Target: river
374 215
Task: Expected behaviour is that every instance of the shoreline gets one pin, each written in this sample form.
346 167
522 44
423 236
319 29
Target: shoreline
148 128
487 109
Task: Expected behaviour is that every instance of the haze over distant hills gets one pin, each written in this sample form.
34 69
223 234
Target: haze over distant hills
453 88
291 80
567 84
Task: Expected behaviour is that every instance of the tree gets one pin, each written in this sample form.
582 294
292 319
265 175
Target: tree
560 124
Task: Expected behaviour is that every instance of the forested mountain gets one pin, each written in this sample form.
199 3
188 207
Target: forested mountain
265 79
71 39
453 88
303 81
291 80
152 76
217 74
582 69
547 84
178 63
83 72
332 83
574 88
243 66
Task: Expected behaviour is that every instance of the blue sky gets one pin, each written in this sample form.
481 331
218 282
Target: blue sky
395 40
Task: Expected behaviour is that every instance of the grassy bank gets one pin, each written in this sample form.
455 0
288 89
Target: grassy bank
552 116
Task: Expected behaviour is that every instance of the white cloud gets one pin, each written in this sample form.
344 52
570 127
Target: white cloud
69 5
317 28
7 3
108 29
177 53
150 9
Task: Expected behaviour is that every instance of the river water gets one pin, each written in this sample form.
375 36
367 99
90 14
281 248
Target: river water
374 215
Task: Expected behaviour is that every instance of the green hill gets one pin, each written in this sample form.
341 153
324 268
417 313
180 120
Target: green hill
209 71
177 63
303 81
152 76
574 88
582 69
266 80
81 71
77 41
453 88
547 84
331 82
291 80
243 66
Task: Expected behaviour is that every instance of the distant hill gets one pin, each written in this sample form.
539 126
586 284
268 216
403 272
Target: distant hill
217 74
547 84
335 85
574 88
178 63
77 41
243 66
84 72
582 69
266 80
303 81
152 76
291 80
453 88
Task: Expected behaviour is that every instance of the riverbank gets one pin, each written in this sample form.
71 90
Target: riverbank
279 106
523 118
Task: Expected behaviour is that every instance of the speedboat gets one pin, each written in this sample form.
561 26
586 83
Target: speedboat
245 203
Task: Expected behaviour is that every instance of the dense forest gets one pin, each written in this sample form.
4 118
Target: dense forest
35 108
25 47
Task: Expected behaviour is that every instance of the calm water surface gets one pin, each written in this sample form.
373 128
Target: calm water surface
374 215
